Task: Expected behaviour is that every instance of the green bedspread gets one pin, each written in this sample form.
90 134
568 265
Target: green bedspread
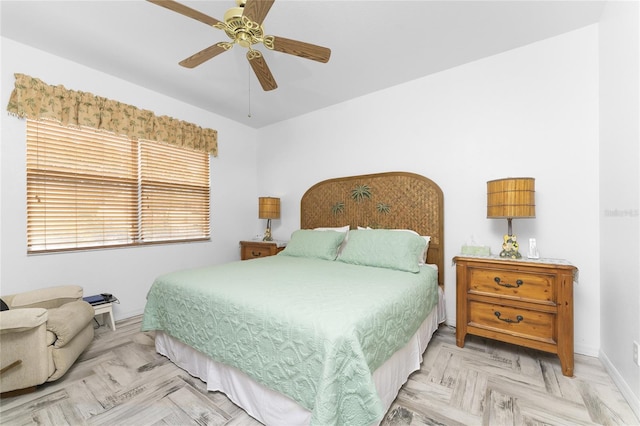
314 330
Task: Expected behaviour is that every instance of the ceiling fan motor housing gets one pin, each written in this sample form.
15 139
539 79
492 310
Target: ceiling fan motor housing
241 29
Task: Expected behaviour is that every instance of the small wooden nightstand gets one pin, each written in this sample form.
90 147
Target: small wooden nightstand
528 303
256 249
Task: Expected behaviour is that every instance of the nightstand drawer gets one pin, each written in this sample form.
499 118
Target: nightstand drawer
253 251
513 321
513 285
257 249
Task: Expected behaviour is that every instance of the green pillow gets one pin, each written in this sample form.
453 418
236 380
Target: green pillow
310 243
384 248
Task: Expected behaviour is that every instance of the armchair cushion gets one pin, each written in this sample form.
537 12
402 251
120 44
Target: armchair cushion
68 320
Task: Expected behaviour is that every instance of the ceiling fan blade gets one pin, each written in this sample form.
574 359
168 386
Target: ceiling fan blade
203 55
261 69
301 49
257 10
186 11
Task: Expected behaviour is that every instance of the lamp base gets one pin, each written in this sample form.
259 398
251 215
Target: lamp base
267 232
510 247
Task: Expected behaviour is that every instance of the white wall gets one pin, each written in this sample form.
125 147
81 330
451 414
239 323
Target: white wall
127 273
527 112
620 193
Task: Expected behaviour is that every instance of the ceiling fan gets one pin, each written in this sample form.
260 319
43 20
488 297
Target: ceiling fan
243 25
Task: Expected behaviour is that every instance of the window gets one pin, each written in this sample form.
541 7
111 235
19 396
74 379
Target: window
92 189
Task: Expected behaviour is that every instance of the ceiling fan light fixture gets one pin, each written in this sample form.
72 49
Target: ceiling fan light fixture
244 39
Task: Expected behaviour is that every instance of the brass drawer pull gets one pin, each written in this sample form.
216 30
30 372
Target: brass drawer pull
256 254
518 283
509 320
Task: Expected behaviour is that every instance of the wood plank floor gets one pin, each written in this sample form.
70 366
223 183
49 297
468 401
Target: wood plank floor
121 380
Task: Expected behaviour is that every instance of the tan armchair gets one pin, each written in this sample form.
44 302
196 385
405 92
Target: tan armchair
41 336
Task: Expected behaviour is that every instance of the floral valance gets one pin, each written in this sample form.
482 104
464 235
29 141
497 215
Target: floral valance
34 99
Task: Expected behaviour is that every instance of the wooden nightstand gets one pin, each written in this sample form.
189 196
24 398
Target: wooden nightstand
528 303
256 249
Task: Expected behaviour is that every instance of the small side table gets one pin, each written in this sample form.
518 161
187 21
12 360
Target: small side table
105 309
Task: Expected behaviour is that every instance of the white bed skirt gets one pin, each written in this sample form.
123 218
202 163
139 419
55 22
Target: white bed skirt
273 408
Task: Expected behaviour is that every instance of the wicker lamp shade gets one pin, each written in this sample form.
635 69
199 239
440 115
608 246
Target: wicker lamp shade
269 208
511 198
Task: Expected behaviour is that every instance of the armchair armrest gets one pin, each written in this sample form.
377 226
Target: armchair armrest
69 320
52 297
19 320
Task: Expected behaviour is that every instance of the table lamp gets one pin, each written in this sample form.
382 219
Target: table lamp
268 208
511 198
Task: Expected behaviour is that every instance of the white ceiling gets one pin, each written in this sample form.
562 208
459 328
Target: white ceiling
375 45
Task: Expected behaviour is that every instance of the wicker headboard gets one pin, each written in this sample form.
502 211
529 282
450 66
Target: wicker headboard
393 200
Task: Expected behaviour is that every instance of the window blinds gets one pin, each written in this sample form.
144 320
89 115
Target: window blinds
174 192
91 189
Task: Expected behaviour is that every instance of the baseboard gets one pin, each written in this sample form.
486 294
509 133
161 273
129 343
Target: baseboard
128 314
586 350
625 390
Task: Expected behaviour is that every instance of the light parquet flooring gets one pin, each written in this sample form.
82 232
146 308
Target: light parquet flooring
121 380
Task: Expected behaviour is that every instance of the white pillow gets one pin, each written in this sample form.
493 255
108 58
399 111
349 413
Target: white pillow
423 257
344 229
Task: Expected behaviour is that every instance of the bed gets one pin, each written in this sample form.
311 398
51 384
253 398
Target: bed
327 331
